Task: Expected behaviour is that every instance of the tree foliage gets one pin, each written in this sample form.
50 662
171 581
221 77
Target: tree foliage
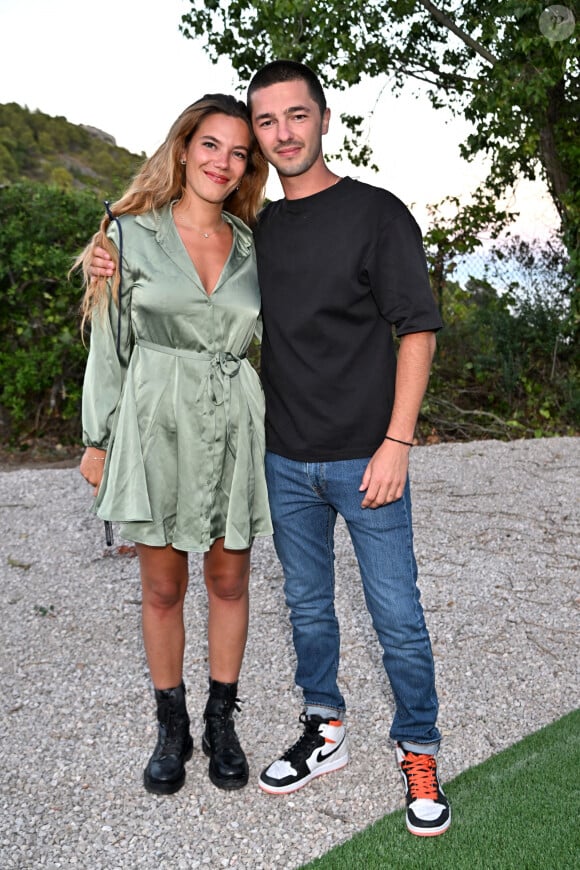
507 364
454 232
42 357
488 61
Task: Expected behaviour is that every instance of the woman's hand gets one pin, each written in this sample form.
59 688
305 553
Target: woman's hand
92 467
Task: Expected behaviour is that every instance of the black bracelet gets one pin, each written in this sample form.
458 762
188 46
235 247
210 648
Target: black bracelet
398 441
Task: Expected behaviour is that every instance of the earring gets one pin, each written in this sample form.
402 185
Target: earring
183 162
237 188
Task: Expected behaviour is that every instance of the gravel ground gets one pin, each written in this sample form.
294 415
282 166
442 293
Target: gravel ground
497 544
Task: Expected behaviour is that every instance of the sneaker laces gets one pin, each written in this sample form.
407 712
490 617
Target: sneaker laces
308 741
421 772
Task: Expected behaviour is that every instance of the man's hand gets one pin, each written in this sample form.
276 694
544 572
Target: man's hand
386 475
92 467
102 265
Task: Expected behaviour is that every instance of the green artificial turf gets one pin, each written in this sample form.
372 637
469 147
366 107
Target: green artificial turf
519 810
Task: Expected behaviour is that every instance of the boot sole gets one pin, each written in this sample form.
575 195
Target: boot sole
228 783
154 786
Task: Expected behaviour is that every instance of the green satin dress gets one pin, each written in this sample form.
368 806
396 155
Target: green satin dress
180 410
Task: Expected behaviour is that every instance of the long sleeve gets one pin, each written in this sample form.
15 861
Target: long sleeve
103 380
106 368
104 373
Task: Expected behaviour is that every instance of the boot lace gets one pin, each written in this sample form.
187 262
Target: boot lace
172 734
421 772
222 726
308 741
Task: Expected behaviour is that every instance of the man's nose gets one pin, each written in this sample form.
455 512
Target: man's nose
284 132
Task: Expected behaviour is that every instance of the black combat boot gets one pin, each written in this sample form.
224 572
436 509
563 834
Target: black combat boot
165 772
228 767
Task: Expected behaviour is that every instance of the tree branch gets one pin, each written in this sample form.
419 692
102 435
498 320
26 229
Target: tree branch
444 19
443 80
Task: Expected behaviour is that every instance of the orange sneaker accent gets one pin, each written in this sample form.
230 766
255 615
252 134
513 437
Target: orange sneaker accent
421 774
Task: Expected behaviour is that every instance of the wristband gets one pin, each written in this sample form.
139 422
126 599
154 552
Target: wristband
398 441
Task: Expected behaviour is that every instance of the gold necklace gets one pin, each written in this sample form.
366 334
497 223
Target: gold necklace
204 235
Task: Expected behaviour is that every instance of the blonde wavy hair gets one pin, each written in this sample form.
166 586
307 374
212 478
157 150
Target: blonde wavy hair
161 180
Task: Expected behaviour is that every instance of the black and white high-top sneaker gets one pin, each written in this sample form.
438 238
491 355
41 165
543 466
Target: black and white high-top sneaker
322 748
428 811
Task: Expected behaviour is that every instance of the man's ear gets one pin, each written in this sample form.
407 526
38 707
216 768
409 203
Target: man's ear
325 121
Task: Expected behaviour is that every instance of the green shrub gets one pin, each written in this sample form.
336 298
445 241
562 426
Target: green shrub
42 357
507 361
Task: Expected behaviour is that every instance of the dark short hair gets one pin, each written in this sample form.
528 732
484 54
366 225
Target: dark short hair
288 71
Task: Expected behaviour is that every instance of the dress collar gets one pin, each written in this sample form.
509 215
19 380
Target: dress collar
161 222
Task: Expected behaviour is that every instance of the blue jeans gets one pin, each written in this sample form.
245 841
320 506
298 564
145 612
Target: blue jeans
305 499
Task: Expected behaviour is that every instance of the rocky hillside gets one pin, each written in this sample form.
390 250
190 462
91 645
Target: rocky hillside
38 147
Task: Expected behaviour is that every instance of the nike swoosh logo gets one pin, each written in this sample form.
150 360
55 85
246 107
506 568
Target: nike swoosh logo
322 756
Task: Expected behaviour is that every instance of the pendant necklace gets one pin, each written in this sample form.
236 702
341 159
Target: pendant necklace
204 235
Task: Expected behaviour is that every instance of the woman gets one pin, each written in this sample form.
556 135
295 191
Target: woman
173 411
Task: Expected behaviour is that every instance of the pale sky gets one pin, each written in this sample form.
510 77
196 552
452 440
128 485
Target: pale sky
123 66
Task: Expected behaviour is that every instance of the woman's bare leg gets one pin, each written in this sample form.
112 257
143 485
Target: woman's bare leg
164 577
227 574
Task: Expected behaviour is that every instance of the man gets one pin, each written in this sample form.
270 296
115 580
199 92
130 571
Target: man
340 264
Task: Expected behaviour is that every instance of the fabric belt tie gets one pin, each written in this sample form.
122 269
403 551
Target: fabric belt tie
223 366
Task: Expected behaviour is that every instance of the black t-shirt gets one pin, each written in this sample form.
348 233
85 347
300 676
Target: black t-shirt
337 270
